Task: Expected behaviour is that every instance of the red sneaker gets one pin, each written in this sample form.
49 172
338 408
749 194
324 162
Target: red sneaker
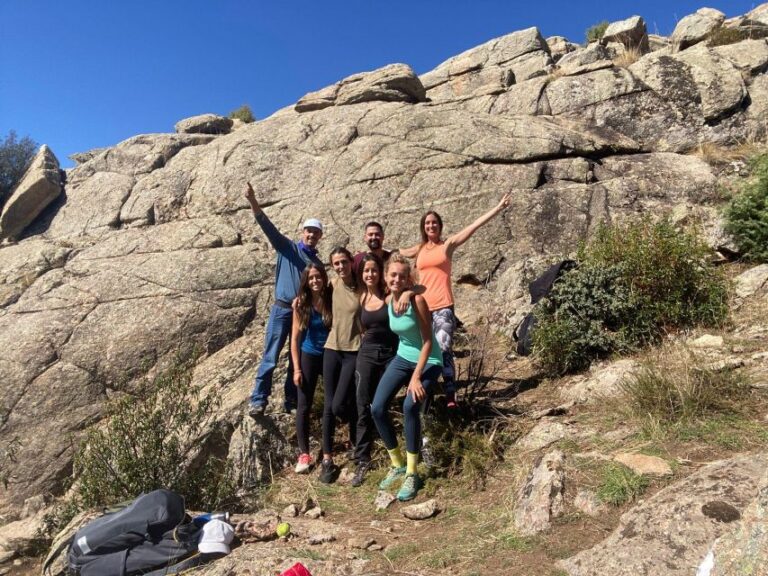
304 464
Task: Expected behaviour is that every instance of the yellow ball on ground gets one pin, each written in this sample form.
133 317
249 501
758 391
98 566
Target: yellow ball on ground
283 529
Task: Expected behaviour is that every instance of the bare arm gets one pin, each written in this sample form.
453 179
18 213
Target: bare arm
411 252
425 327
295 355
459 238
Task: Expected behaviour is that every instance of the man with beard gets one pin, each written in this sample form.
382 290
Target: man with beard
373 238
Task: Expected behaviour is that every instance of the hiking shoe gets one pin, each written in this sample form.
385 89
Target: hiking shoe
304 464
257 410
410 488
450 401
392 476
362 467
328 472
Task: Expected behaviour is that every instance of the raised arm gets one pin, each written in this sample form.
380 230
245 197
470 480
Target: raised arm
425 327
295 354
459 238
279 242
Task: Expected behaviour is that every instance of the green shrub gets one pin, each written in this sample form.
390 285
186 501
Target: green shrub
15 156
635 281
596 31
243 113
147 441
747 214
620 485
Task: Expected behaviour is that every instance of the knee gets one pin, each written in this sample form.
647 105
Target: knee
378 411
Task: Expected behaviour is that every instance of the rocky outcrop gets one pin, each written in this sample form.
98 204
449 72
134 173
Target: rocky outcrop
541 497
671 532
40 185
695 27
393 83
204 124
490 68
631 33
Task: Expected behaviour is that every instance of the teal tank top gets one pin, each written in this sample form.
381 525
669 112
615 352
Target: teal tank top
407 329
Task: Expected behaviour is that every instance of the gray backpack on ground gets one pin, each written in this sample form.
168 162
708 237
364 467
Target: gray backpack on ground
149 534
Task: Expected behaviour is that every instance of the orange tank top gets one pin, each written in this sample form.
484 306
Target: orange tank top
434 268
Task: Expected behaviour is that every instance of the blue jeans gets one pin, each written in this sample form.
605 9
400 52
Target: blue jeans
397 375
278 331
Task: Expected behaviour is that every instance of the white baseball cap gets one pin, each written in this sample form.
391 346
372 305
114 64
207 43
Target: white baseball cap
313 223
216 537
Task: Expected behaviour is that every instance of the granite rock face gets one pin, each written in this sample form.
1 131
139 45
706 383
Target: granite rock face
671 532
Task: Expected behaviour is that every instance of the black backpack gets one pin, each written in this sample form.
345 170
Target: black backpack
538 289
151 533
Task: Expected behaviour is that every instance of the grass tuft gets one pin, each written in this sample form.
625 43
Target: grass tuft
620 485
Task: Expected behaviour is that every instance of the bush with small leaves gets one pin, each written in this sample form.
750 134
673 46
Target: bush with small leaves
148 441
596 31
15 156
243 113
635 282
747 214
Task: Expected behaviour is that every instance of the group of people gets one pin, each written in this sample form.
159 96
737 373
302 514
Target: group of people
369 331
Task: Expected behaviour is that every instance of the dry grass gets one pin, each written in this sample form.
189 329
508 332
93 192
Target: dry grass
716 154
628 57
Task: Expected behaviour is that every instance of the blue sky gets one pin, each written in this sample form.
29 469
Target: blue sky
80 74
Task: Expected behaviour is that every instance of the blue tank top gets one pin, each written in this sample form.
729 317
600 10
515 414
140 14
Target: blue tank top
315 335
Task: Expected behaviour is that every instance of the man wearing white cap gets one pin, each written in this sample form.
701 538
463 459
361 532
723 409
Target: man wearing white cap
292 258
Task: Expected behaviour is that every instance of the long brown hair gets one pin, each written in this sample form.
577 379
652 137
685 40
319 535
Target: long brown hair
370 257
304 298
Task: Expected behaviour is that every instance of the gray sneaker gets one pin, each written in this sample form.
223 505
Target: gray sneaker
362 468
328 472
394 474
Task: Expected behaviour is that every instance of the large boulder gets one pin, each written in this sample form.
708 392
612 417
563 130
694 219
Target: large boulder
393 83
204 124
696 27
40 186
630 32
491 67
671 532
540 499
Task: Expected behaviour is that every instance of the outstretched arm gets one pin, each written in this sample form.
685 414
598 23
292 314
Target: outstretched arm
459 238
279 242
411 252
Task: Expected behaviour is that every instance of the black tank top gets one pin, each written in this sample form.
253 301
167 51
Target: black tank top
376 330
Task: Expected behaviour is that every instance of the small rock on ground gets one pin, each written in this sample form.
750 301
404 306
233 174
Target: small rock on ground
421 511
383 500
643 464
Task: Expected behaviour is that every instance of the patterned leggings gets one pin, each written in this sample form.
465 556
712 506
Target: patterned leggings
444 323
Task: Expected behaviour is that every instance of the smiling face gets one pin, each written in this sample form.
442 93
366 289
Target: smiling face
374 238
432 227
311 236
371 274
315 281
397 277
342 266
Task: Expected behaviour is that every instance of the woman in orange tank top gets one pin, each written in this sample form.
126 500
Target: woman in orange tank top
433 261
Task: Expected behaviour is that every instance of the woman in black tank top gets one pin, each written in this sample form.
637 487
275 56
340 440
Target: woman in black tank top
378 347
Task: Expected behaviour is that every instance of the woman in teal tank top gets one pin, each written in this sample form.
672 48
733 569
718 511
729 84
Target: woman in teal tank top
418 365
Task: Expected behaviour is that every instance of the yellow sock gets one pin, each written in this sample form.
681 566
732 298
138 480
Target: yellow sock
396 457
413 460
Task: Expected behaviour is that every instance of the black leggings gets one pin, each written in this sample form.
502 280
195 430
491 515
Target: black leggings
338 381
371 363
311 367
